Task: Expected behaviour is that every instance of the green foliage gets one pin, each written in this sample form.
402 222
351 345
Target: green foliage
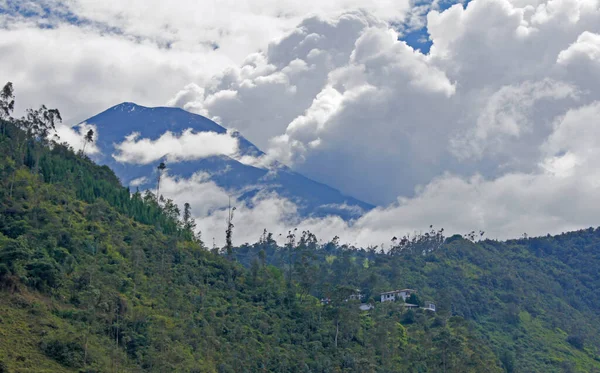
576 341
517 296
69 354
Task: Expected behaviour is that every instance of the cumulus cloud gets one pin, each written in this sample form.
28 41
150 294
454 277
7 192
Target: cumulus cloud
324 89
587 47
188 146
199 191
507 116
269 89
489 130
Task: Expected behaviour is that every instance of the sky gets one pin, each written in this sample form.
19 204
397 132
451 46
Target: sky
468 116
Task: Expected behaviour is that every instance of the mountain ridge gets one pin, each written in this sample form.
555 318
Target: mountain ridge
312 197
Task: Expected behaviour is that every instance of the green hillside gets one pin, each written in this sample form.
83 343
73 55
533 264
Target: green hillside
94 278
533 301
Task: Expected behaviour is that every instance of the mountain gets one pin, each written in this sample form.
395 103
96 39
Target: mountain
244 180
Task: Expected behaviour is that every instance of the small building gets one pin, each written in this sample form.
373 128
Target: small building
357 295
391 296
325 300
410 305
366 307
429 306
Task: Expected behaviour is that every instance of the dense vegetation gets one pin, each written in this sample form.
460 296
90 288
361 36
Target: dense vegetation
94 278
533 301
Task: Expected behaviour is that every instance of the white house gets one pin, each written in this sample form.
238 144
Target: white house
357 295
391 296
429 306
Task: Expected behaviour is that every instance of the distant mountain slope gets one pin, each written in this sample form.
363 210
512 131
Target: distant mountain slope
115 124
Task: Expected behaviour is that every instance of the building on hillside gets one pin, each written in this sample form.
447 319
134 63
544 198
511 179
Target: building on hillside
391 296
357 295
366 307
429 306
325 300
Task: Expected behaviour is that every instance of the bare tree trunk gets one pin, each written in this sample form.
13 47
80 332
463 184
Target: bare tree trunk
85 349
37 163
12 182
117 344
337 330
444 359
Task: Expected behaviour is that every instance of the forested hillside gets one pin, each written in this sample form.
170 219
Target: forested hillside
95 278
534 301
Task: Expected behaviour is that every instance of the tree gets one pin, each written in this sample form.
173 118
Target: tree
88 139
290 244
37 125
171 209
229 231
305 270
161 168
418 243
188 221
577 341
448 346
7 102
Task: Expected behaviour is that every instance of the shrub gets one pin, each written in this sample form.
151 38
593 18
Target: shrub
67 353
3 367
576 341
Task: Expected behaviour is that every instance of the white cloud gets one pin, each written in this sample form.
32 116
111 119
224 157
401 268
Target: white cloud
199 191
139 181
188 146
271 88
581 60
82 72
507 115
576 132
74 136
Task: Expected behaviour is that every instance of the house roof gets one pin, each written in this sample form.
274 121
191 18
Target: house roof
399 291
